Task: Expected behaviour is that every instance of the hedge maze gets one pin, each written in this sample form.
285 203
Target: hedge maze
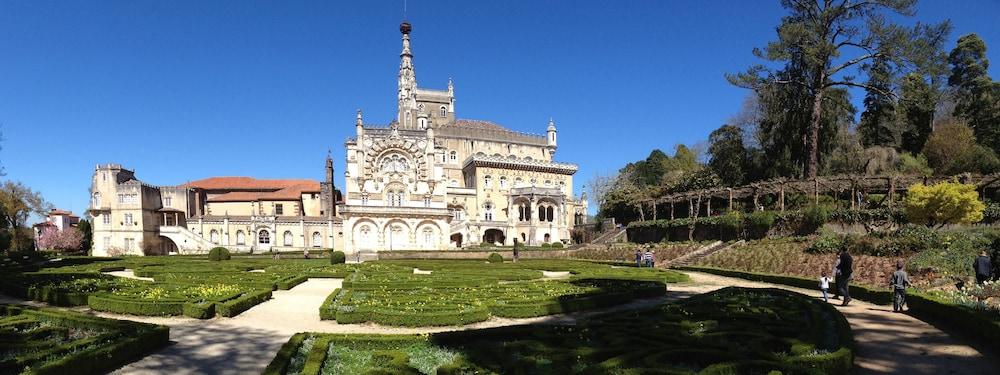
188 286
50 341
730 331
462 292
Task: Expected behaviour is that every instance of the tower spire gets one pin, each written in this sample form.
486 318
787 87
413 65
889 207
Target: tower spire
407 89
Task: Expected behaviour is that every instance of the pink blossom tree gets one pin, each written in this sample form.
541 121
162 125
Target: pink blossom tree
60 240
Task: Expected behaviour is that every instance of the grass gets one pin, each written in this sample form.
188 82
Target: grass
733 330
462 292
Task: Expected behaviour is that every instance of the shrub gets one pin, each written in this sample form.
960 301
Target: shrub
546 245
731 225
557 245
814 217
826 243
337 257
943 203
218 253
495 258
759 223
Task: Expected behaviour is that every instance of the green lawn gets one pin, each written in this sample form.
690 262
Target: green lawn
50 341
731 331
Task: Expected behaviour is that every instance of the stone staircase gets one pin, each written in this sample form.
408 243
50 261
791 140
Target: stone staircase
187 242
608 236
702 252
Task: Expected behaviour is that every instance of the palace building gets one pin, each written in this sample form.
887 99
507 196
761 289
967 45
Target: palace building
426 180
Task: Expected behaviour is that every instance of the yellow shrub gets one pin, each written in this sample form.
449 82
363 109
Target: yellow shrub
943 203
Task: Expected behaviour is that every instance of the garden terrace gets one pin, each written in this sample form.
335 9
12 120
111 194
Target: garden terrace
462 292
189 286
49 341
733 330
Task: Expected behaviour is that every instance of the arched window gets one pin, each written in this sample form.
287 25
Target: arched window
422 123
503 182
518 182
428 237
214 236
520 211
488 181
287 238
453 183
488 212
317 240
541 213
548 183
444 111
395 197
97 199
264 237
241 239
453 155
549 212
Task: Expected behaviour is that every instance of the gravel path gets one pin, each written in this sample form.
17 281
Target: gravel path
888 342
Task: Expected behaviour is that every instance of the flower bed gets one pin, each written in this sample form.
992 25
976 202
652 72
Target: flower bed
728 331
462 292
49 341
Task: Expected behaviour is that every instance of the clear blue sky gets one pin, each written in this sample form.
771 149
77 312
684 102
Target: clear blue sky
184 90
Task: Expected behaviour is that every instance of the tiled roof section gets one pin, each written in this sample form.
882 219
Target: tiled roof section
291 193
56 211
479 124
250 183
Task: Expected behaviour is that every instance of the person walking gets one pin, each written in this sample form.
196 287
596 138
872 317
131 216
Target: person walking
647 258
982 267
824 285
305 253
846 268
899 281
836 276
638 258
517 249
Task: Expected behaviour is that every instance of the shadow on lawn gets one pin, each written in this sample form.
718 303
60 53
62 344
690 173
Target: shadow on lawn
748 331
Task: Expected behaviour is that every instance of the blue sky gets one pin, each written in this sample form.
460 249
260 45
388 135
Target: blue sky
184 90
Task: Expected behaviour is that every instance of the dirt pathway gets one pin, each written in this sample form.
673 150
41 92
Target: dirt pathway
887 342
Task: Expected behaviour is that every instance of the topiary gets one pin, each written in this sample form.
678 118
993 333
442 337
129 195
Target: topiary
337 257
494 258
546 245
219 253
557 245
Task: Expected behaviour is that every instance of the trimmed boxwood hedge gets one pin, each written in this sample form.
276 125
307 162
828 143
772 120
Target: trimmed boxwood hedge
124 305
121 343
243 303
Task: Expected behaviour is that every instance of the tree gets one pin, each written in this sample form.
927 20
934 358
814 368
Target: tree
88 235
728 156
943 203
878 126
17 203
69 239
976 98
952 149
917 102
828 39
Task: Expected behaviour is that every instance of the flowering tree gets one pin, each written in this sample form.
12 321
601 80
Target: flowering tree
69 239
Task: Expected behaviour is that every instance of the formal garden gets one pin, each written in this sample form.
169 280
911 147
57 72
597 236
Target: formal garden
724 332
50 341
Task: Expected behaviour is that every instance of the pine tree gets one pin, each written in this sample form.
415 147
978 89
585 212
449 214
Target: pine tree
916 112
976 94
878 126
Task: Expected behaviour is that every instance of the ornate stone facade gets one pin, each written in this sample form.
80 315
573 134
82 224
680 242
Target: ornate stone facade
431 181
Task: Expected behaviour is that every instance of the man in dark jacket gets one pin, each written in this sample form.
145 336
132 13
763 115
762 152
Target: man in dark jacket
846 268
982 267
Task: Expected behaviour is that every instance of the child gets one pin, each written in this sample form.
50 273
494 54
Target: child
824 284
899 281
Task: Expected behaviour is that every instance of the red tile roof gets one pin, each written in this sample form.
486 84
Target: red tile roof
56 211
478 124
250 183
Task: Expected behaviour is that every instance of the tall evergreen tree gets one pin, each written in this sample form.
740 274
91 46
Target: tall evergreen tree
918 99
830 39
975 93
728 155
878 126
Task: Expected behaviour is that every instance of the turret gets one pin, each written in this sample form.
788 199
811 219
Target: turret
407 85
551 133
359 127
